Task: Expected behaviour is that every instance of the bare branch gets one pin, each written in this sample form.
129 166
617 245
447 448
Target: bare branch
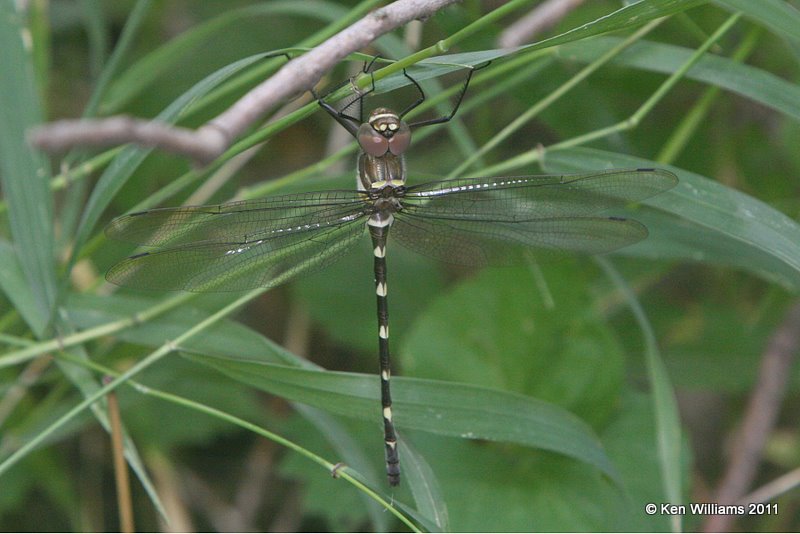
62 135
211 139
544 16
759 417
773 489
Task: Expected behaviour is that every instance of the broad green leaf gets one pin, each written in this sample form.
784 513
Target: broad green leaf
529 331
702 220
164 426
434 406
494 487
509 489
228 337
24 174
446 408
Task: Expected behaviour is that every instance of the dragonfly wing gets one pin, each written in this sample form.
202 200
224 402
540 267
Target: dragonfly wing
243 221
481 243
236 266
526 198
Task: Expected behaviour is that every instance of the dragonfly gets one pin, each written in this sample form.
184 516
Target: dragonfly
467 221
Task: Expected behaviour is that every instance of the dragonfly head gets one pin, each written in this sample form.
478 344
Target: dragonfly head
384 132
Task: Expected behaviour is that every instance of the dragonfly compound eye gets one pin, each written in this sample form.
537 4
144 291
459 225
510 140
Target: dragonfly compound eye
401 139
372 142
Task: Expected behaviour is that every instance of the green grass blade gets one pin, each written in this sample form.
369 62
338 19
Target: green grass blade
631 15
96 29
351 454
665 405
164 350
110 182
38 24
145 71
777 15
262 71
133 23
729 74
23 172
130 158
85 381
428 497
17 289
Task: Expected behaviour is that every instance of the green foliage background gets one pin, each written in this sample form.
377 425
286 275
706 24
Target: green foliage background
554 396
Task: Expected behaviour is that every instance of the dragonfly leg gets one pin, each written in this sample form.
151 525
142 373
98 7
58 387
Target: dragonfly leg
349 122
361 93
421 99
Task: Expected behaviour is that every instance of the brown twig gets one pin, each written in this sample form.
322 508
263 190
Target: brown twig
124 501
542 17
759 418
211 139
